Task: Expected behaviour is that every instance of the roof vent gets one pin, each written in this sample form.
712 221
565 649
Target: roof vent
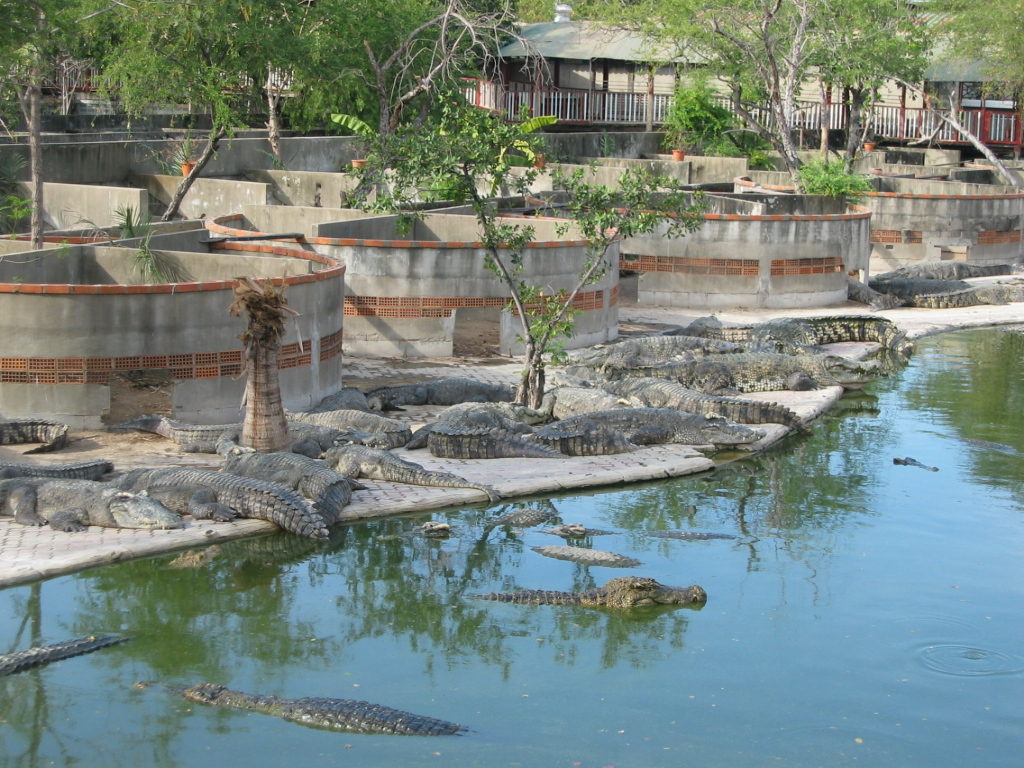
563 12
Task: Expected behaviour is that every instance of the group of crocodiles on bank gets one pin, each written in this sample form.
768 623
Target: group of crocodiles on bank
683 387
939 285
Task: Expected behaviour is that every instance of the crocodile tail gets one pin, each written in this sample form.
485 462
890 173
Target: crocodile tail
53 435
531 597
46 654
79 470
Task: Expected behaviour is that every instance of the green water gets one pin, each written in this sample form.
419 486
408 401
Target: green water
867 614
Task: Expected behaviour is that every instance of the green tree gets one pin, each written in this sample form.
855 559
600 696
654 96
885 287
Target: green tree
471 153
183 52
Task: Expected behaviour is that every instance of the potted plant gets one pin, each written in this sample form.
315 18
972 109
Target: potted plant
182 154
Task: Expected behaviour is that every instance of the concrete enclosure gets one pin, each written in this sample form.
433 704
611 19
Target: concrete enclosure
406 289
77 320
746 254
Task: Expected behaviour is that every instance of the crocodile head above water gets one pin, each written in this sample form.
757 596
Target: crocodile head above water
137 510
852 373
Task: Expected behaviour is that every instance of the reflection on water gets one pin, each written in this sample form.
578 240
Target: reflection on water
850 602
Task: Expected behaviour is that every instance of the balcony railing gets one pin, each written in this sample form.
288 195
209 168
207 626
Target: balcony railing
892 123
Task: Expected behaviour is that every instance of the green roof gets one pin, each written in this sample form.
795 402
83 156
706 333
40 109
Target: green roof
583 40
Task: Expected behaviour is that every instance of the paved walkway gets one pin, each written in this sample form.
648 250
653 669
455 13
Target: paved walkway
28 554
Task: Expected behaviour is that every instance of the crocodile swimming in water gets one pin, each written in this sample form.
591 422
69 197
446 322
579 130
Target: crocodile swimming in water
575 531
73 505
53 435
586 556
347 715
178 487
79 470
622 592
355 461
447 391
10 663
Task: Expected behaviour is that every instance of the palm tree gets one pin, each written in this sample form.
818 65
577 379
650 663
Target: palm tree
265 427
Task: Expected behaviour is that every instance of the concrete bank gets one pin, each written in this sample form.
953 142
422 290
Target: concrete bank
28 554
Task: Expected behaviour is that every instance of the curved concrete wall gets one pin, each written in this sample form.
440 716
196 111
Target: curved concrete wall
63 338
404 293
913 220
751 260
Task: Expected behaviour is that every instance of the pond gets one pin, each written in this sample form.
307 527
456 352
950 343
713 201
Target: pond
865 613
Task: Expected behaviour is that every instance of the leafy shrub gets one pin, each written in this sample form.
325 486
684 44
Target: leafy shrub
831 178
694 118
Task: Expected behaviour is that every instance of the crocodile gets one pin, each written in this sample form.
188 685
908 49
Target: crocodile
790 335
689 535
976 295
909 462
329 491
478 418
909 290
392 433
644 425
765 372
649 350
622 592
10 663
329 714
862 293
51 434
431 529
710 327
521 517
564 401
463 442
196 558
355 461
575 531
223 438
79 470
248 497
586 556
663 393
946 270
346 397
73 505
584 436
447 391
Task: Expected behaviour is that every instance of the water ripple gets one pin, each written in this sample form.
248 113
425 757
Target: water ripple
969 661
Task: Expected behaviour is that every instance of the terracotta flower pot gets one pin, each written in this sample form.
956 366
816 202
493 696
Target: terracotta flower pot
869 146
359 163
678 154
539 161
186 168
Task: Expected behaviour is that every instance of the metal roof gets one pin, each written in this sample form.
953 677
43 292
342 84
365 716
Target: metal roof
584 40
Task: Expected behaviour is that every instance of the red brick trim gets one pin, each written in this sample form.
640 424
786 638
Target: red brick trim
827 265
414 307
183 366
693 266
897 236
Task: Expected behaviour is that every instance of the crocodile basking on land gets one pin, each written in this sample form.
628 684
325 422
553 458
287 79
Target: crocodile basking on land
973 296
647 426
223 438
390 433
764 372
448 391
622 592
355 461
663 393
791 335
346 397
862 293
53 435
329 491
248 497
478 418
946 270
586 556
79 470
73 505
330 714
18 661
569 400
584 436
649 350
